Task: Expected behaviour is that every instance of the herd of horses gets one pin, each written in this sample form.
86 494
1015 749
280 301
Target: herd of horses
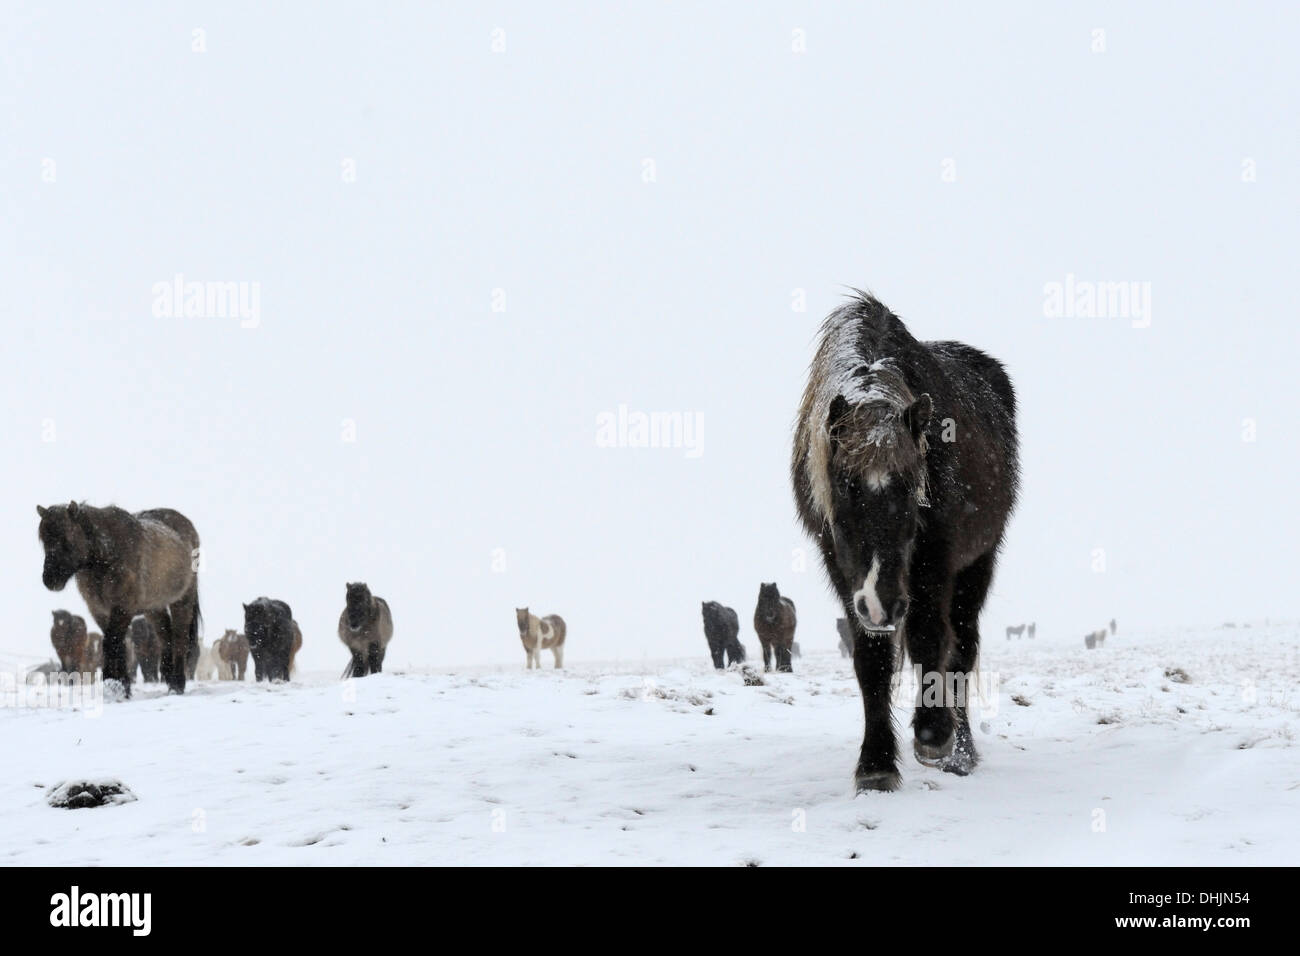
138 575
904 467
774 623
1097 638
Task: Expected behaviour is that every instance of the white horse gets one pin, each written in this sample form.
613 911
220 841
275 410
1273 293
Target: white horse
209 662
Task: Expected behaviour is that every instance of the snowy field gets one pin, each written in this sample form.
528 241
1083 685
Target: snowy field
1091 757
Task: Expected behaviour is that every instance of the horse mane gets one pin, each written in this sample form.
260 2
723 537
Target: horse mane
873 435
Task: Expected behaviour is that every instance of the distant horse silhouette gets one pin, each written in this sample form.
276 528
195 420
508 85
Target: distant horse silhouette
68 635
774 622
128 564
1112 625
365 628
722 632
846 636
1095 639
541 633
909 523
1016 631
272 635
148 648
1032 629
233 648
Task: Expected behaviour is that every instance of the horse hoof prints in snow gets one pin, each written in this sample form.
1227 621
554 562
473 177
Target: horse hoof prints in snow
273 638
366 627
774 622
541 634
908 527
128 564
722 631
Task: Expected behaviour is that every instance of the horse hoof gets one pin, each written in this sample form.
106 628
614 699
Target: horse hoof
933 755
959 762
882 780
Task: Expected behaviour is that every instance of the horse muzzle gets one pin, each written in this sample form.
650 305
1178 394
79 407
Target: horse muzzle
55 580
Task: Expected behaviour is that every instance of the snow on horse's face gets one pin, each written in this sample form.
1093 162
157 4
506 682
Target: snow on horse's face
874 509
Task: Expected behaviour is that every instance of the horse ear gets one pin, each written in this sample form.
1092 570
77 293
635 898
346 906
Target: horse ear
72 508
918 415
41 511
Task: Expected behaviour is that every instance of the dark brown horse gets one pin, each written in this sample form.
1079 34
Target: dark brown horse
774 622
365 628
68 635
908 515
128 564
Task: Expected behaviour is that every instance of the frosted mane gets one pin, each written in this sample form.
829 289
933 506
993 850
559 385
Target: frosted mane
875 438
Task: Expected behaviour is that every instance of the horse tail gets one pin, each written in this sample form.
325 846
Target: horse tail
347 671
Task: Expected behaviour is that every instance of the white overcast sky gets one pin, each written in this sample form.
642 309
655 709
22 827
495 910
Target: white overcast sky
524 171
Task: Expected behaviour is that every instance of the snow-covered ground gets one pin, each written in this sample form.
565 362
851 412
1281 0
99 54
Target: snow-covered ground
1088 757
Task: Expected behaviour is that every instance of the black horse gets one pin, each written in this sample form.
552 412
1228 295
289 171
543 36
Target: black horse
268 625
905 473
774 623
722 631
845 628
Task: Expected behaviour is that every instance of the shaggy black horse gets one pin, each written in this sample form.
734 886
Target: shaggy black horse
268 625
905 473
722 631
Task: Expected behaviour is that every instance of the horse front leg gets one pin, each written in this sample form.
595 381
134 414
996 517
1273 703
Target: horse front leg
783 660
873 663
115 649
767 654
376 659
929 642
358 666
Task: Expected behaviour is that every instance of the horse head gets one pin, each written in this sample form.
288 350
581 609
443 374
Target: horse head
67 546
877 483
769 602
358 610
